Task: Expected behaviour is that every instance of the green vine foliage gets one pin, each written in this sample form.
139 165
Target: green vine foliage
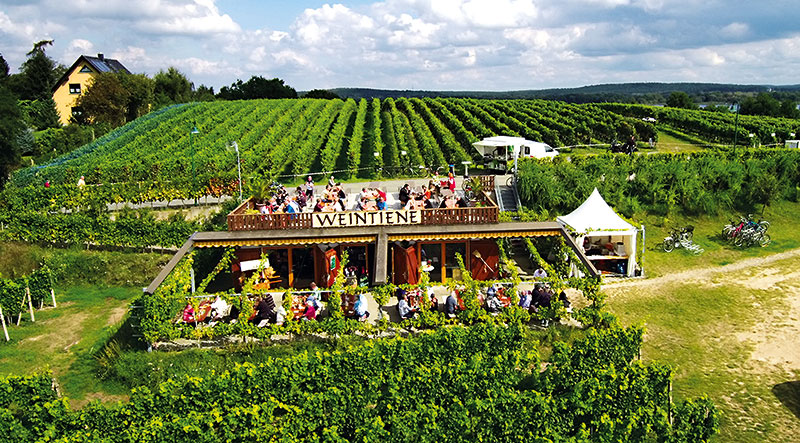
160 308
335 298
480 383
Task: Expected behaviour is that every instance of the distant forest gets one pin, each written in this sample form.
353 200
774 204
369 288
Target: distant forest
644 93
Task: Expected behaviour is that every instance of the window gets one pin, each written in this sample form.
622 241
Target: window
77 111
74 88
86 69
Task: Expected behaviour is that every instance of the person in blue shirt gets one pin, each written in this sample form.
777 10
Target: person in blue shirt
381 204
360 312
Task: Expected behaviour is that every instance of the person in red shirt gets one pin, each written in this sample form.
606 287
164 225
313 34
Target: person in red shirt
451 181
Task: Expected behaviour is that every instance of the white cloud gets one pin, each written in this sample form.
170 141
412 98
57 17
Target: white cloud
735 29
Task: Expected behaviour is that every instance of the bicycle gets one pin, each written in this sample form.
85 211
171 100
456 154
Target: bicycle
681 238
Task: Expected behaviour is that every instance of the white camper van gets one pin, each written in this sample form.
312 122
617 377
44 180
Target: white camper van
499 150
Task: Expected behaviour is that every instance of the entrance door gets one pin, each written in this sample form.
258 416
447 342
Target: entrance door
406 267
330 267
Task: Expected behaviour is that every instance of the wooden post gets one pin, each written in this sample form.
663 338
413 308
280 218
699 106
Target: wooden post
3 319
53 296
291 267
30 303
669 403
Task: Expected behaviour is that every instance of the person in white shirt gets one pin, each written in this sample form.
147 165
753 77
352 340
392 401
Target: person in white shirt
219 308
539 273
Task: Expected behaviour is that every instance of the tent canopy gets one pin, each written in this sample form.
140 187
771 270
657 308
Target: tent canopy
595 215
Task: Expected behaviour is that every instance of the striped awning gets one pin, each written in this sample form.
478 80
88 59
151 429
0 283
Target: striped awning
283 241
473 235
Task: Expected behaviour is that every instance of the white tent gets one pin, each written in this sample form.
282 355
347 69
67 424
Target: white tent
519 145
597 221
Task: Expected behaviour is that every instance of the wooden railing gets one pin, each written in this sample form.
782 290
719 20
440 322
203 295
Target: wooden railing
238 220
487 182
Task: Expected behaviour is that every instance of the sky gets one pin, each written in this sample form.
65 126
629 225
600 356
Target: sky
489 45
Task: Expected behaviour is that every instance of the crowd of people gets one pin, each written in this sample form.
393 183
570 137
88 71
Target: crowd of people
307 305
334 198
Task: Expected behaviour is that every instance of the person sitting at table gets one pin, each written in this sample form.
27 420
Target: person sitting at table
405 310
539 273
331 181
429 204
361 205
493 303
363 195
360 312
433 300
381 193
315 297
318 207
426 193
405 194
525 300
264 309
451 305
301 198
381 204
188 313
310 312
219 308
462 202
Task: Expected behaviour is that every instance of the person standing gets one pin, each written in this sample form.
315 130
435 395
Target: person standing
81 182
309 187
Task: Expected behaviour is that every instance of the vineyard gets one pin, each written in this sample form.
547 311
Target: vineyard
456 384
153 157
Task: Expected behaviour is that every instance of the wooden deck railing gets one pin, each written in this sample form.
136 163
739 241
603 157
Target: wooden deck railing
238 220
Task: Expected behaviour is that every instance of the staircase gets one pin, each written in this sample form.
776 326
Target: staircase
507 199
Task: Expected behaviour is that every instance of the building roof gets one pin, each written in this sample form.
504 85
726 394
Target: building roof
99 64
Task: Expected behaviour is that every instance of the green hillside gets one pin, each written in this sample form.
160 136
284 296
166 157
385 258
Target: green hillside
356 139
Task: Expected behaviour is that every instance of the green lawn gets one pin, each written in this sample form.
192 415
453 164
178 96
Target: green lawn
782 216
726 331
65 339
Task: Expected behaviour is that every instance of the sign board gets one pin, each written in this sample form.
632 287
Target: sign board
367 218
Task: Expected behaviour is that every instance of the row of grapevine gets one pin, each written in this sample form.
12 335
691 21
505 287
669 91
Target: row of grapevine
288 136
456 384
714 126
698 183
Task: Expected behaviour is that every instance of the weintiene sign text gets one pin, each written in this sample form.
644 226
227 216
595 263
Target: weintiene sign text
370 218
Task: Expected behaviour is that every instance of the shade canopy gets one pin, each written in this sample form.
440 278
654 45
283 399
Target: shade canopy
595 215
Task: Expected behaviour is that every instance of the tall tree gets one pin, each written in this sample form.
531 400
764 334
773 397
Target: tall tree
172 87
257 87
38 73
140 94
11 126
680 99
105 101
3 69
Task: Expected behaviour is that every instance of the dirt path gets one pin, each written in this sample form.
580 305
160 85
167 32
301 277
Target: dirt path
705 274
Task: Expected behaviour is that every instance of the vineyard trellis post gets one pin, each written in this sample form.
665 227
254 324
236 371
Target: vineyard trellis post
736 127
191 148
3 320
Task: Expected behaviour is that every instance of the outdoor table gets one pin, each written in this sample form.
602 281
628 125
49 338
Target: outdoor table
298 306
348 304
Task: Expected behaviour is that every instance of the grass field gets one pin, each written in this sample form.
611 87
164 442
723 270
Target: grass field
66 338
728 321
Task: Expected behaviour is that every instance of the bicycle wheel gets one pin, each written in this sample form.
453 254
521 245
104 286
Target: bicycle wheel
668 245
764 225
688 235
764 240
510 181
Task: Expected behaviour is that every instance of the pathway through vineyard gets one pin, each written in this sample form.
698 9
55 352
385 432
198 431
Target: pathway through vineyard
732 331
